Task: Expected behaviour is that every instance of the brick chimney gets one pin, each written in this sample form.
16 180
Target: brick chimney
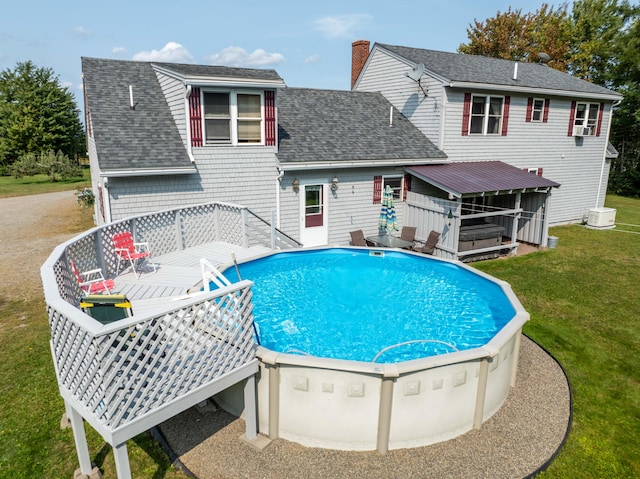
359 54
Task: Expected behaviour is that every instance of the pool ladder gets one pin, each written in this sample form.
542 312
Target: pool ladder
413 341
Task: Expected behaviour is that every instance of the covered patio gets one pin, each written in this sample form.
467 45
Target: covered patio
482 209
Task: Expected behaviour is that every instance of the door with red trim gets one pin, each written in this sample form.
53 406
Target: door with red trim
314 230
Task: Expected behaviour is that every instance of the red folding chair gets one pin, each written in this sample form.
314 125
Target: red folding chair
93 281
128 251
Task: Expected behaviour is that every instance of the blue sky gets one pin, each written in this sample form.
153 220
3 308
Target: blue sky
307 43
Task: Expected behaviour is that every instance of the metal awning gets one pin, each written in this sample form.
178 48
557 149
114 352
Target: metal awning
481 177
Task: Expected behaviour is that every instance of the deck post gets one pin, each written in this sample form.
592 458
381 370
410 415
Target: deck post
482 392
80 438
121 456
250 414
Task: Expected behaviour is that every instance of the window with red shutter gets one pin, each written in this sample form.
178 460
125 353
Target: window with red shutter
505 115
572 117
545 115
466 112
269 118
195 117
377 189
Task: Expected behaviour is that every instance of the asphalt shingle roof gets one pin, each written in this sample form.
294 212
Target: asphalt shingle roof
480 176
220 71
456 67
333 125
143 138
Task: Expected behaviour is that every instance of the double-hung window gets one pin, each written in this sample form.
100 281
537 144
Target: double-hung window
486 115
537 110
395 182
232 117
586 118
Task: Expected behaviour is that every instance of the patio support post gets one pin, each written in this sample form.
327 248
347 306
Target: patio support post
250 414
80 438
121 456
516 222
274 401
482 392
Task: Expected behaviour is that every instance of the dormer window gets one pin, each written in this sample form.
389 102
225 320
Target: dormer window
232 117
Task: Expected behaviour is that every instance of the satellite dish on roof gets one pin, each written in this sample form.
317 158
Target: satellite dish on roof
544 58
416 72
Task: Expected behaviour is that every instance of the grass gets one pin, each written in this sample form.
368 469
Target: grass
30 185
583 305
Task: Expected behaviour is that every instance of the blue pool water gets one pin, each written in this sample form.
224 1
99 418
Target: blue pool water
347 304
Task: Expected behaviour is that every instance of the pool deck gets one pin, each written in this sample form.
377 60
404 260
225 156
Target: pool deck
518 441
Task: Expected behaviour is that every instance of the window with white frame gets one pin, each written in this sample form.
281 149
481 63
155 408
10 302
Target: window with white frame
232 117
486 115
537 110
586 117
396 184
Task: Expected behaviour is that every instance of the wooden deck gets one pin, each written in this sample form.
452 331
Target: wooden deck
176 273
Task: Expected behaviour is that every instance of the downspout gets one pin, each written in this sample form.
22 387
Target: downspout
187 119
106 200
604 154
278 179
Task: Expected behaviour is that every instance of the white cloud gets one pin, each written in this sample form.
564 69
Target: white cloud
312 59
117 50
342 26
171 52
83 32
239 57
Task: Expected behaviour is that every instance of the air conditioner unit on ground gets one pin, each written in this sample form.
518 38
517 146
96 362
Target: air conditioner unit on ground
581 131
602 218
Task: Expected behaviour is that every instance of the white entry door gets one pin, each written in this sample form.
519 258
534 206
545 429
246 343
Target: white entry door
314 230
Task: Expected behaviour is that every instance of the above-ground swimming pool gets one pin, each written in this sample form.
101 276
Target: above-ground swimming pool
360 305
367 349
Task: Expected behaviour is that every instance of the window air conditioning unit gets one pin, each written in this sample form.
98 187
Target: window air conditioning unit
581 131
602 218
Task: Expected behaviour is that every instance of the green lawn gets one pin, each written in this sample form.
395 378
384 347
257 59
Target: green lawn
29 185
584 309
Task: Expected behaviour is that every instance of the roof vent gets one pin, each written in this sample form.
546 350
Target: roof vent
515 71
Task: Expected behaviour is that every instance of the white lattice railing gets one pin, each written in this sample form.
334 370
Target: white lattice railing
120 372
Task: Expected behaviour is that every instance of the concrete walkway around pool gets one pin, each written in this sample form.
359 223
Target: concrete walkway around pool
519 440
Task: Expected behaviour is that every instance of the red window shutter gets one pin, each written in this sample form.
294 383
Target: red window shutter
466 113
505 115
269 118
377 189
545 116
600 114
539 172
406 187
195 117
572 118
529 109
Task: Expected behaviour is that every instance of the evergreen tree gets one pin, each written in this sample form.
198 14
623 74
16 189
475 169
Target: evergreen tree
36 114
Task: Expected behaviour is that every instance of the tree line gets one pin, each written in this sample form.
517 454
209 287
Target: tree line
596 40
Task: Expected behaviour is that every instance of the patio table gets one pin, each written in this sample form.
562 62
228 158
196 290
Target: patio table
389 241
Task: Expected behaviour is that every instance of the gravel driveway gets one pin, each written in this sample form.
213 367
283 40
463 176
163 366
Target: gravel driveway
32 226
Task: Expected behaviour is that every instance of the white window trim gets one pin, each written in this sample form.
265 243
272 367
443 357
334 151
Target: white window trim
584 122
533 110
233 113
401 190
485 119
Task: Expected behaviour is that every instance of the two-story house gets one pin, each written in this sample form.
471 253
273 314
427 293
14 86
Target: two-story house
478 109
162 135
